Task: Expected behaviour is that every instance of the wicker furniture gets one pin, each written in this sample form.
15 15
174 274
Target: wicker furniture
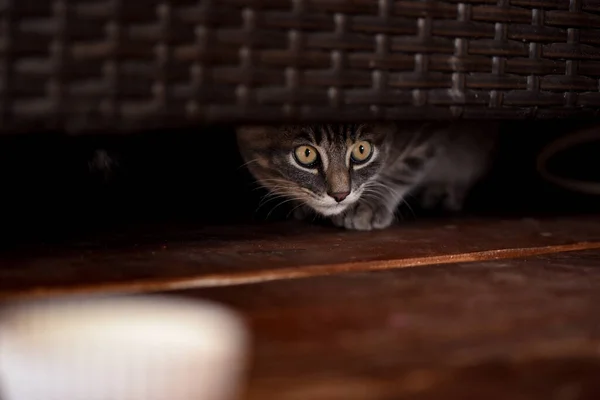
84 65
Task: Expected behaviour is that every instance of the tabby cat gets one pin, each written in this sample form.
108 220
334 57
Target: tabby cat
358 174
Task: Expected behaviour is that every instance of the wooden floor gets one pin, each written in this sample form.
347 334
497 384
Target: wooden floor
452 309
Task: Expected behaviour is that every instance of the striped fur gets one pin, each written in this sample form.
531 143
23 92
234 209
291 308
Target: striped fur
447 159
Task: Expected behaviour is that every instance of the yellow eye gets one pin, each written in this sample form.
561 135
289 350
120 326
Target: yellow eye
361 152
306 155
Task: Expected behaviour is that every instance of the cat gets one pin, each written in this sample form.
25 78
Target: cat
358 174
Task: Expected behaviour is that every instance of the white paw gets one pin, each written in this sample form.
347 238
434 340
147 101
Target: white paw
364 217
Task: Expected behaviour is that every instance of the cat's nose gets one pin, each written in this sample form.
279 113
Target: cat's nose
339 196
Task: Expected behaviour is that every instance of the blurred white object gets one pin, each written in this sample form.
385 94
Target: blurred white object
121 348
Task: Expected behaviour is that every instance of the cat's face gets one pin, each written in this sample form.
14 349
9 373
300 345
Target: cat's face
325 167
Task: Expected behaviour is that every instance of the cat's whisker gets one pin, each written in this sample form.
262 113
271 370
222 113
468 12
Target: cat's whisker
248 163
277 185
380 192
274 194
377 185
278 192
372 194
270 197
399 212
410 208
262 183
293 209
404 200
278 205
265 202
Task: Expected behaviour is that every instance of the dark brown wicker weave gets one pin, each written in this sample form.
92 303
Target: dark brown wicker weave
121 64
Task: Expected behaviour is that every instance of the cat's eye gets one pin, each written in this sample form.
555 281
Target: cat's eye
361 152
306 156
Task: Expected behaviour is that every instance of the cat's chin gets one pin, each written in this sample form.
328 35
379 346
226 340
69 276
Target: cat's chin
330 211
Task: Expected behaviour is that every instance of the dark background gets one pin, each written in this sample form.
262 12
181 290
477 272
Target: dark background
192 177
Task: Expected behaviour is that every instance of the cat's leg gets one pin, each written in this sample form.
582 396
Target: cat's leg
450 196
456 196
432 195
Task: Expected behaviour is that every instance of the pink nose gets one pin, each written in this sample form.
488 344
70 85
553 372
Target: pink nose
339 196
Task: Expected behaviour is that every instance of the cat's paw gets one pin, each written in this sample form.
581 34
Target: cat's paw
364 217
450 197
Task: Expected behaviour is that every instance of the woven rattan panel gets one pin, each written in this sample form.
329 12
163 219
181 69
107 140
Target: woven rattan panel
87 64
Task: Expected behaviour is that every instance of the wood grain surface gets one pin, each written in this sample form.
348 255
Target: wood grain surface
491 308
525 328
159 259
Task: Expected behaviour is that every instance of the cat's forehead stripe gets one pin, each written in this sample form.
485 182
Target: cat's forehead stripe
307 135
